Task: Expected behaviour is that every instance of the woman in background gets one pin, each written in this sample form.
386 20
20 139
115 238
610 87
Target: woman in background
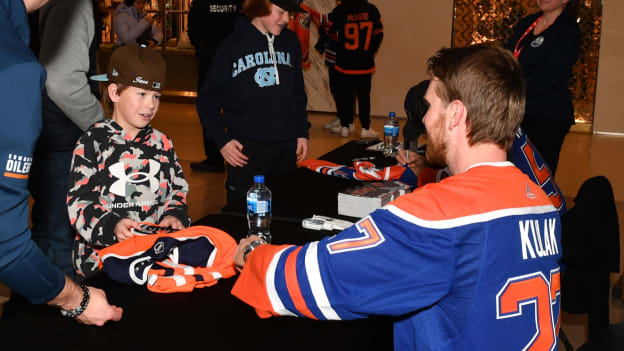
547 45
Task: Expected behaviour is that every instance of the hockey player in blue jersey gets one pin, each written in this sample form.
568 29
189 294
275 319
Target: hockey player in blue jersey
469 263
522 154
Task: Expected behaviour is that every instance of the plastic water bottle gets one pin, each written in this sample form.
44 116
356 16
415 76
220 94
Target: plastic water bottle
391 135
259 209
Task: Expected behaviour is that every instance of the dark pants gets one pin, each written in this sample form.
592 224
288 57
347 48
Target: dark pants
350 86
547 136
333 84
272 160
51 229
204 57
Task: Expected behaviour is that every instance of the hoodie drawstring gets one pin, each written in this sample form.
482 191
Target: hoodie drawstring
270 39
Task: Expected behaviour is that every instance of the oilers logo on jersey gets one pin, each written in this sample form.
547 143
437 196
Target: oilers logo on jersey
17 166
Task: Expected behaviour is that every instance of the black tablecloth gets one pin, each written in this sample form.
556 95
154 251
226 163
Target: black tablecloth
209 318
306 193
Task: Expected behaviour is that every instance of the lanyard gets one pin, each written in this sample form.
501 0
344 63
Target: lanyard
517 51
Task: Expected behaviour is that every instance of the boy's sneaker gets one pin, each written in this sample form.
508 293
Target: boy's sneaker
332 124
338 129
368 133
344 132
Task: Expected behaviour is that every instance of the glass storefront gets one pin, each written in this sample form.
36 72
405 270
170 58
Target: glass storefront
479 21
172 19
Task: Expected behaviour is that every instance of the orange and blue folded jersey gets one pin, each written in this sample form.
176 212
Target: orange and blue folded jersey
362 170
194 257
469 263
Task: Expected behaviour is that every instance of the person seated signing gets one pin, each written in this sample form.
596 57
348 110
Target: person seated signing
469 263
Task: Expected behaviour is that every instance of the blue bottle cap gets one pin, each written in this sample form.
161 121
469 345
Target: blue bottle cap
392 114
259 179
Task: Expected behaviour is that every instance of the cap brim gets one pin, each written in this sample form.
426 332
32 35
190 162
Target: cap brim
100 78
288 5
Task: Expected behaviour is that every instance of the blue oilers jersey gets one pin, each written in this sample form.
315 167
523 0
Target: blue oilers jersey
526 157
469 263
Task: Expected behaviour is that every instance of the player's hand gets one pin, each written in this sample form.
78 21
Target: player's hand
122 229
98 310
412 160
404 157
302 149
233 155
172 222
239 259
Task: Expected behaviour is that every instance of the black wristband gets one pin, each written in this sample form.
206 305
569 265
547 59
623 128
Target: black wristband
83 305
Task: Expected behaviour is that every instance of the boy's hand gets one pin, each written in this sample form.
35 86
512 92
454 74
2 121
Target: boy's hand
302 149
122 229
232 153
172 222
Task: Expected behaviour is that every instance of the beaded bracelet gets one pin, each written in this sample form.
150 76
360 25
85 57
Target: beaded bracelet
83 305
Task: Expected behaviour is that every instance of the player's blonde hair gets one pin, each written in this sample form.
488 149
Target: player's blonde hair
488 81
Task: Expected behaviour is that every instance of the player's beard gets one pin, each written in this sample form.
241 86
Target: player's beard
437 146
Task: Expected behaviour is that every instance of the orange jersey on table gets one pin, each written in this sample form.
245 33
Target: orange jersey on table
194 257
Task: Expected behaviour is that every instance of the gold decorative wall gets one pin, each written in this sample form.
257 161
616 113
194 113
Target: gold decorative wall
479 21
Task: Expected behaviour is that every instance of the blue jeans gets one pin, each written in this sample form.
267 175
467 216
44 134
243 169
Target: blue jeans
51 229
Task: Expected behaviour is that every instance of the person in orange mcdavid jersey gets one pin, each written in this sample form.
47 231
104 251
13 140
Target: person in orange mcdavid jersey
300 24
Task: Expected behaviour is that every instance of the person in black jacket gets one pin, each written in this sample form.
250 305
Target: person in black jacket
253 103
547 45
358 29
209 22
69 42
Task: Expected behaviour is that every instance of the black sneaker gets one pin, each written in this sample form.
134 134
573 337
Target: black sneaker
207 166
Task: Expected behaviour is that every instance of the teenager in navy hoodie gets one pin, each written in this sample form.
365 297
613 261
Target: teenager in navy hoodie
253 103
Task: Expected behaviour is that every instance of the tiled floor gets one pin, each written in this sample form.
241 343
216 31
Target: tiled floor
583 156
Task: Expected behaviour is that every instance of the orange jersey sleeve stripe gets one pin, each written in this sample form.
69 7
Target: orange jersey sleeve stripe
15 175
293 284
251 285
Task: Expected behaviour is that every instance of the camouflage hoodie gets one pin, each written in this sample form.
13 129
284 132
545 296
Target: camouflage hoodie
112 177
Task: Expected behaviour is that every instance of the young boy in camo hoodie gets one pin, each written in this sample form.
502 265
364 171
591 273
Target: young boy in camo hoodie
124 171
